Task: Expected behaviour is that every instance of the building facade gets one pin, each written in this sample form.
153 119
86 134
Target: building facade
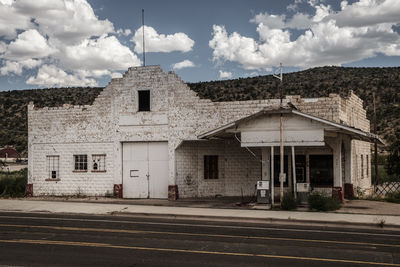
148 135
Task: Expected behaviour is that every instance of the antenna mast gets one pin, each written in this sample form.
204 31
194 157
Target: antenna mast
144 53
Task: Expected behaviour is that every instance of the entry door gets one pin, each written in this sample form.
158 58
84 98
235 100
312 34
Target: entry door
145 170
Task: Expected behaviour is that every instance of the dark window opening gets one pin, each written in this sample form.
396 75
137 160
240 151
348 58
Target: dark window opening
321 170
300 168
210 167
144 100
277 169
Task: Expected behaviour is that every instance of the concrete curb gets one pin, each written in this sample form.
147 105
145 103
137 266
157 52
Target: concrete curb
226 214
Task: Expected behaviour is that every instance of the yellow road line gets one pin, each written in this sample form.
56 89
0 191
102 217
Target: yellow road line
196 234
105 245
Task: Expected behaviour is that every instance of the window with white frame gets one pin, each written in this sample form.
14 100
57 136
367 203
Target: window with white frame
53 167
99 163
80 162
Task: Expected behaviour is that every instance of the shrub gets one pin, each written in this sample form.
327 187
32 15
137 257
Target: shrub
320 202
393 197
13 184
288 202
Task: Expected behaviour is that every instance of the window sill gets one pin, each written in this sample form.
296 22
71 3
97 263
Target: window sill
98 171
52 180
79 171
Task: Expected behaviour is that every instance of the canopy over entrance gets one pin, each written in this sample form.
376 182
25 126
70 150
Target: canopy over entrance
299 129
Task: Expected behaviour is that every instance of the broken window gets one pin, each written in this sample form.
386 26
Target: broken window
321 170
210 167
80 162
53 166
99 163
144 100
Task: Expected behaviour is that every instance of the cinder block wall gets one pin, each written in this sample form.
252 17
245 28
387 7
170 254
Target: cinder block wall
238 169
177 114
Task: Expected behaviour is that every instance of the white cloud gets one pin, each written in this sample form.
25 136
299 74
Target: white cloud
50 75
183 64
17 67
70 41
272 21
326 40
225 74
11 20
67 21
125 32
103 53
155 42
29 44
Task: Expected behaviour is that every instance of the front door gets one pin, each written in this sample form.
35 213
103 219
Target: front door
145 170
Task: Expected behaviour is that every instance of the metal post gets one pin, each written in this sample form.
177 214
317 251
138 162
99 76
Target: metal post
294 172
375 145
281 174
144 54
272 178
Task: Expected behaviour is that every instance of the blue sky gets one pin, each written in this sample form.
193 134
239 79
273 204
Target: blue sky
54 43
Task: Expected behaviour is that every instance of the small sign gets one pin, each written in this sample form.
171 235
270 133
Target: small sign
282 176
262 185
303 187
134 173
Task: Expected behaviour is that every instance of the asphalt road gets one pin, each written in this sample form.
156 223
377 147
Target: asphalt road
71 240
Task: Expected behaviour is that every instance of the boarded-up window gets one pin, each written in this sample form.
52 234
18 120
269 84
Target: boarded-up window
80 162
321 170
210 167
144 100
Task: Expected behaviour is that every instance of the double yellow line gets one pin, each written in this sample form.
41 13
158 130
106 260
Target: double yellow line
196 234
104 245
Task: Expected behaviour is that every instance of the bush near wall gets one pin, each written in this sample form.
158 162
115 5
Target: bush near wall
393 197
289 202
320 202
13 184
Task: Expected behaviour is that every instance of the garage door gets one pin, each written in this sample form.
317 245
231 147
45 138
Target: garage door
145 170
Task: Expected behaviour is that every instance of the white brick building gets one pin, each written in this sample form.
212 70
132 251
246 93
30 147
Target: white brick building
148 135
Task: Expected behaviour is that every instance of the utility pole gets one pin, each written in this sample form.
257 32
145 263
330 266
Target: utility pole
376 144
144 54
281 174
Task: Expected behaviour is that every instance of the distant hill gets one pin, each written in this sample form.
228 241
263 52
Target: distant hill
385 82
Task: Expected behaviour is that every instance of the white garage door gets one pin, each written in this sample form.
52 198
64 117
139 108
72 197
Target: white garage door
145 170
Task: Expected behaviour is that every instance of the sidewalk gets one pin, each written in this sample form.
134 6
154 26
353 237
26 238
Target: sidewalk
221 213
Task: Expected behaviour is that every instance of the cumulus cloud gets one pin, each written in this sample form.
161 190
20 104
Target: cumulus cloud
68 21
357 31
225 74
156 42
50 75
183 64
65 39
125 32
29 44
16 67
105 52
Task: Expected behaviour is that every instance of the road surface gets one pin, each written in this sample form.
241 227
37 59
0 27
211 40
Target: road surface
36 239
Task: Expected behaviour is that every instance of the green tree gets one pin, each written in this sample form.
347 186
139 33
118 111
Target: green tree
393 160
